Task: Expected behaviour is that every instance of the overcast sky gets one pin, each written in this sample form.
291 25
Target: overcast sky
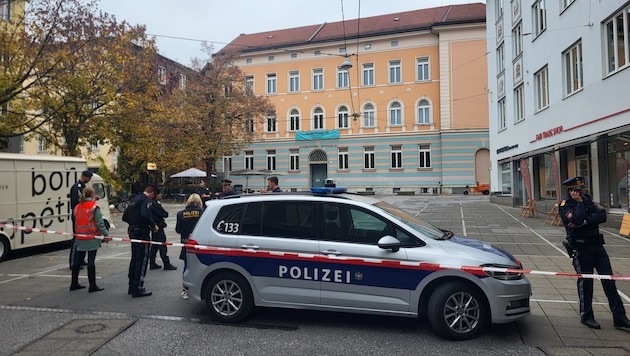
181 26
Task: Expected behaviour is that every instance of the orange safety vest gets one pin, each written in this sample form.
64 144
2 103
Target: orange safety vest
84 220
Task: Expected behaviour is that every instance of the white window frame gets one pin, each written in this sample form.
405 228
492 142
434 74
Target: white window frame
565 3
343 117
395 114
423 69
318 79
161 72
519 103
272 84
369 158
517 40
294 81
539 17
541 89
5 10
343 78
249 85
368 74
182 81
318 119
294 159
501 114
396 155
395 71
620 22
423 111
294 120
500 58
424 156
227 163
248 160
572 69
272 124
271 160
369 115
343 159
42 144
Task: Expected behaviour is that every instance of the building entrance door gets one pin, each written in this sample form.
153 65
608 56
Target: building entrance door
318 160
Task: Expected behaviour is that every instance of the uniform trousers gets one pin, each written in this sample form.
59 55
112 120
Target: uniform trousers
139 262
589 259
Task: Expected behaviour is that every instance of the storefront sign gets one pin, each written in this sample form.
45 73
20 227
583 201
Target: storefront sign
549 133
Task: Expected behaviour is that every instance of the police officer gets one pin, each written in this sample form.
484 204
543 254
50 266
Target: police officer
226 189
204 193
138 216
581 219
159 214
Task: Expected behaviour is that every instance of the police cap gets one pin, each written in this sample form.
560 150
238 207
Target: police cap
226 181
86 173
574 183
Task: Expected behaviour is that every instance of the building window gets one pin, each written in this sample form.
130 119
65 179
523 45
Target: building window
249 160
396 154
21 145
541 87
395 114
272 84
161 75
294 120
317 53
318 79
424 112
182 81
506 178
42 144
248 61
343 158
250 125
342 78
93 147
618 40
271 124
294 159
227 164
517 40
294 81
498 8
393 44
501 114
519 104
500 58
565 3
539 17
369 119
422 66
368 157
293 55
342 50
318 119
394 72
271 160
5 10
249 85
368 74
342 118
271 58
367 46
572 69
424 156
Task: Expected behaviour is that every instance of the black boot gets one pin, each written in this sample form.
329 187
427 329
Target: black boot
167 264
74 284
92 278
152 264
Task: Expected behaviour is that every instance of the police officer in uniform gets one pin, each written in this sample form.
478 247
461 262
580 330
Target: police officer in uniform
581 219
159 214
226 189
138 216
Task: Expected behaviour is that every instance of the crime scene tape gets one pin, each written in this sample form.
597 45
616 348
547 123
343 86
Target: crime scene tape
478 270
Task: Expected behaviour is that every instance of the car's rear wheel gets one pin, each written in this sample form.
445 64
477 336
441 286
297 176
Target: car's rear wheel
465 192
5 248
229 297
457 311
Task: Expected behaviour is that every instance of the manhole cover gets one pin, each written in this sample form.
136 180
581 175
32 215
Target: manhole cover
91 328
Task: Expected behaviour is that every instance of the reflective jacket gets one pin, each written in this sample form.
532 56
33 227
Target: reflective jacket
84 220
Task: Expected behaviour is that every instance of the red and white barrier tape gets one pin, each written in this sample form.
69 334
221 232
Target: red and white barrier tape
419 265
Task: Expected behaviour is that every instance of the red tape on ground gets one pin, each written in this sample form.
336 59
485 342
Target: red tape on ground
404 264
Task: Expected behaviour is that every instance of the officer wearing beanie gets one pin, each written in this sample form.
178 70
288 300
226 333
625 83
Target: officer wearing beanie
581 218
138 216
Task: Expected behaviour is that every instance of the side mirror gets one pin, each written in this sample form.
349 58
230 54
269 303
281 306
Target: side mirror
389 242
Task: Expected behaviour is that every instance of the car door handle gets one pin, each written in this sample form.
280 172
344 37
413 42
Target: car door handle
332 252
249 247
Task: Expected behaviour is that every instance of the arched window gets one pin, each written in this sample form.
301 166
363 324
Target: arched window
318 119
395 114
294 120
369 119
424 112
342 117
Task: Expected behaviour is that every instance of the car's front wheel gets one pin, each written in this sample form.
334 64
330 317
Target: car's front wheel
229 297
457 311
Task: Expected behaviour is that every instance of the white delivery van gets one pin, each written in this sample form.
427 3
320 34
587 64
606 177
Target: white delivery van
35 193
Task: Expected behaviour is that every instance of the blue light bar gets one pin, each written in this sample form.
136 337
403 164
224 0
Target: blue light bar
328 190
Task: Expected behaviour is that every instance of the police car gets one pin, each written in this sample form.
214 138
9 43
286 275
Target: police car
335 251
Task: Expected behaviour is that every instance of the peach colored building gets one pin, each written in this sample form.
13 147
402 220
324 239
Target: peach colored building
410 114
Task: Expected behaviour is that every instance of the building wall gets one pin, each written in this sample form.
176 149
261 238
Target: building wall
456 91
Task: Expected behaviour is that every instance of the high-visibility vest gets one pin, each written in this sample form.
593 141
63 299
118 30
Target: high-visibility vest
84 220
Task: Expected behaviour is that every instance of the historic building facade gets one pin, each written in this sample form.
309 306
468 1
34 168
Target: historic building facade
389 103
558 78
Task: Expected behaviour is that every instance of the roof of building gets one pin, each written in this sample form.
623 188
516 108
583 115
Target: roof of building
417 20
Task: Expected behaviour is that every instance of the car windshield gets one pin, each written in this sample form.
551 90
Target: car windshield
421 226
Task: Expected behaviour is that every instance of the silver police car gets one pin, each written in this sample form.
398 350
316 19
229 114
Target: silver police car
335 251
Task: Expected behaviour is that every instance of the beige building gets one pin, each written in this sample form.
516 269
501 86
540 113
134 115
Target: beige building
389 103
